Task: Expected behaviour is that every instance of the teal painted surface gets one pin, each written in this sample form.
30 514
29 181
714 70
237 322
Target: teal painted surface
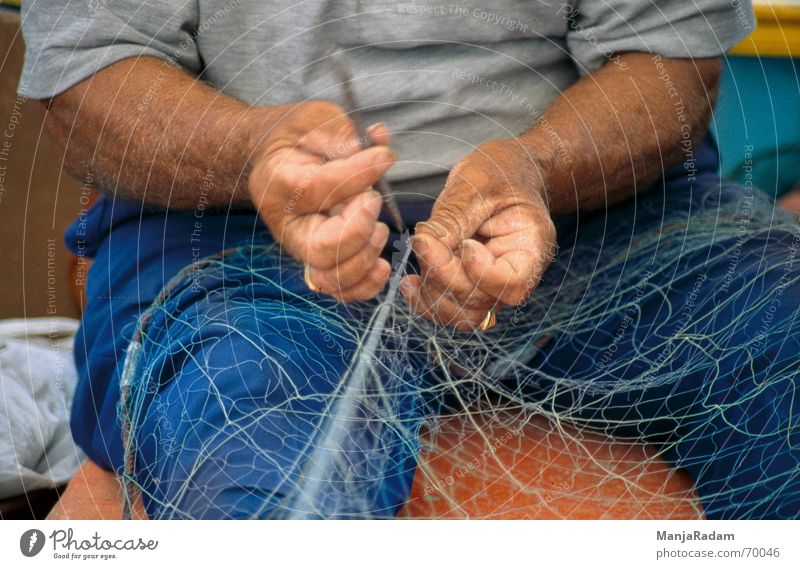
759 107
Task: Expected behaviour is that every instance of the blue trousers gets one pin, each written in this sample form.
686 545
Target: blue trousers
671 318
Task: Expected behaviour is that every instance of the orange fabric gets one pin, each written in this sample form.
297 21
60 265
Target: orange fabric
543 475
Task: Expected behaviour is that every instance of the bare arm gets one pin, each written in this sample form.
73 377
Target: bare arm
613 132
149 131
490 237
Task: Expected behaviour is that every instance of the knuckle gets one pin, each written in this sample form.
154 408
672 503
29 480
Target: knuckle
516 295
325 281
315 194
450 217
431 284
360 294
322 109
319 256
357 233
441 226
477 300
347 279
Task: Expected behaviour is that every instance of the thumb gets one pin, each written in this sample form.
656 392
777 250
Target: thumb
457 215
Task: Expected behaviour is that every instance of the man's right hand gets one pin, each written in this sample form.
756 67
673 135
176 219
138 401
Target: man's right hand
300 164
312 184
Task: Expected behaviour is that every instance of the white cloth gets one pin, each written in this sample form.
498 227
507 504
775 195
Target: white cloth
37 381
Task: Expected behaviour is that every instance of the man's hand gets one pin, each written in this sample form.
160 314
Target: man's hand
490 237
312 185
488 241
300 164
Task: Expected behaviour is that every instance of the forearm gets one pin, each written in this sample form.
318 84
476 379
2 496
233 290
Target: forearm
147 130
615 131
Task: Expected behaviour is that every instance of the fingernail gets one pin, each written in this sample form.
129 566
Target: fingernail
466 249
371 128
390 155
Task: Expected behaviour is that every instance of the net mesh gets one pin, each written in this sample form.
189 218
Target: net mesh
618 389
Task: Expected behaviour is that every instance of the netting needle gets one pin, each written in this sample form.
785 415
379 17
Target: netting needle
350 106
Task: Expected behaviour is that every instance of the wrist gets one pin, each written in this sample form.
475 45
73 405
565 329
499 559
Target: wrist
256 134
258 129
528 163
553 158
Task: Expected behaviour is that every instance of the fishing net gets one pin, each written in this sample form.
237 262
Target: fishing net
652 374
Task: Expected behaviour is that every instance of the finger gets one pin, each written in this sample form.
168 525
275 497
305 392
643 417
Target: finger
339 180
324 241
353 270
293 232
370 286
331 132
442 309
342 236
320 187
509 278
335 140
340 207
443 272
457 214
379 134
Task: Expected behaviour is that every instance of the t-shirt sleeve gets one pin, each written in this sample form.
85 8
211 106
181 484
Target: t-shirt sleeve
598 29
68 41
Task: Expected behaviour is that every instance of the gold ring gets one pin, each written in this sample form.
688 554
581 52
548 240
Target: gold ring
490 320
307 277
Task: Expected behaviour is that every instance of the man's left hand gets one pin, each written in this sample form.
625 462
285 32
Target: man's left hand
488 242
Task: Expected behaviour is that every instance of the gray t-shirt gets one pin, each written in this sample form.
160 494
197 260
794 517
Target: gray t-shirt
444 77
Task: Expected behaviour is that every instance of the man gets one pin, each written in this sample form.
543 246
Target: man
518 130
